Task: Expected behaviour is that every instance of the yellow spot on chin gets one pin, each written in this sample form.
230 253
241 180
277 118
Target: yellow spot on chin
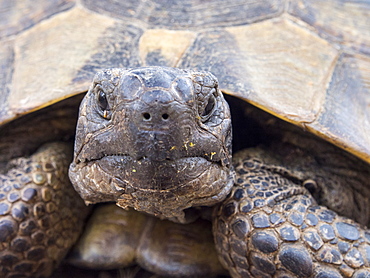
134 170
191 144
173 148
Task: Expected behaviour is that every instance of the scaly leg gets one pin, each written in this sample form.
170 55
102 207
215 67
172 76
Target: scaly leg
270 226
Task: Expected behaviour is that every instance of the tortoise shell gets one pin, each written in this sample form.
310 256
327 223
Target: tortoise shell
307 62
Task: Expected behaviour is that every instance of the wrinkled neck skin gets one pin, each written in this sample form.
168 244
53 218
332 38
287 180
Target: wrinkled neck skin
155 139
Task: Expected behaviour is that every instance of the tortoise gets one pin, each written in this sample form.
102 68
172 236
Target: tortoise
305 62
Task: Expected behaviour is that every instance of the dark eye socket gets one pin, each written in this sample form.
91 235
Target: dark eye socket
102 100
209 107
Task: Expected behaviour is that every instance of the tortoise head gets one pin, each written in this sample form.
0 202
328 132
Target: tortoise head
156 139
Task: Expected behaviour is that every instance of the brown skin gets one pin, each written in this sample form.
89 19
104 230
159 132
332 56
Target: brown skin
156 139
41 214
271 184
271 224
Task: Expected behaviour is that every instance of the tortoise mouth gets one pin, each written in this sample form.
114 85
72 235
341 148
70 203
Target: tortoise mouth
162 188
146 173
145 159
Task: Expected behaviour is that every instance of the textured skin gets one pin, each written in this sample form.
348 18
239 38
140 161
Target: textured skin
270 226
156 139
41 215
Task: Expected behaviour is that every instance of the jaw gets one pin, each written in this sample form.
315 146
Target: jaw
162 188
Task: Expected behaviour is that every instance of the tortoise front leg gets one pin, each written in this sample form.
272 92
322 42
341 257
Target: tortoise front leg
41 216
270 226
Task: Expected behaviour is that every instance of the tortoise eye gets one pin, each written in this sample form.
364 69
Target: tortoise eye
102 99
103 104
209 107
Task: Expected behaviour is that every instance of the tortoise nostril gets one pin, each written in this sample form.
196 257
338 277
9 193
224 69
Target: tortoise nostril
146 116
